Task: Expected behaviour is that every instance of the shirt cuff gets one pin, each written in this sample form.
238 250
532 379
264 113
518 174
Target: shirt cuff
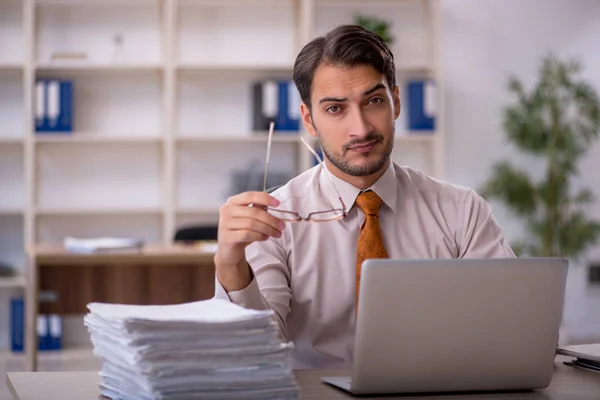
249 297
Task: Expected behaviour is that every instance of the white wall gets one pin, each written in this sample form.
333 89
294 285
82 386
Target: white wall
484 41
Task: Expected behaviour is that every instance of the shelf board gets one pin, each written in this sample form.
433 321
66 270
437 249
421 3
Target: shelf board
75 67
198 210
86 138
11 140
97 3
351 3
11 67
193 67
76 211
258 137
236 3
17 281
11 211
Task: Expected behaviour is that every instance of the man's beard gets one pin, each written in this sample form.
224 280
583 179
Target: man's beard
340 162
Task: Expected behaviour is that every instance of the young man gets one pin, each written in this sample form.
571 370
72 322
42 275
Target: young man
308 272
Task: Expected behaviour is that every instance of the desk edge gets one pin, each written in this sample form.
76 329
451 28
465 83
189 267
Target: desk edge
11 387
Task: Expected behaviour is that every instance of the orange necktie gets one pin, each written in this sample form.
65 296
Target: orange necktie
370 240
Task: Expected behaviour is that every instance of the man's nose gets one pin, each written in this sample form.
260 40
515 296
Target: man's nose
359 125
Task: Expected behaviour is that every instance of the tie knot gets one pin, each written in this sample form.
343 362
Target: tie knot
369 202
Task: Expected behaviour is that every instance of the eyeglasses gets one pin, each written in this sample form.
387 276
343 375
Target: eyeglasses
332 214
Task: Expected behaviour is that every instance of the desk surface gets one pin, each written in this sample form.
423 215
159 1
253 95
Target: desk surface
567 384
50 253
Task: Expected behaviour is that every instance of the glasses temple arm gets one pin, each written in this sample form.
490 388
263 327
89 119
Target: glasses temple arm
271 127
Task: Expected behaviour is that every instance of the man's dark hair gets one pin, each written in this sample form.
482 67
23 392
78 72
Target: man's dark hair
343 46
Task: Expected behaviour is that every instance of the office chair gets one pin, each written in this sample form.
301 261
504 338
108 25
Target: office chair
196 233
203 233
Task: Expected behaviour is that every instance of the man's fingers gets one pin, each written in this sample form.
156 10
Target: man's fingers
245 236
254 225
256 213
257 198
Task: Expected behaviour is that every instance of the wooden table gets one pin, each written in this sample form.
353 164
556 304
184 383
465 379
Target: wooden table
55 255
567 384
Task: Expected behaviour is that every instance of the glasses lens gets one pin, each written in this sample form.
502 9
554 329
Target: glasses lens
326 215
283 215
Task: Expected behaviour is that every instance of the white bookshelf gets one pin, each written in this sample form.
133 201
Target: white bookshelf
161 125
13 282
12 139
11 35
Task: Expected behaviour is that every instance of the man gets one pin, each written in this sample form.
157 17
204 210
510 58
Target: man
307 272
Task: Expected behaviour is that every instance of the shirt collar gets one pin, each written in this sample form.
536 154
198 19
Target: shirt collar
386 188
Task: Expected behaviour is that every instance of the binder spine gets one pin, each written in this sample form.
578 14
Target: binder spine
17 324
54 106
422 108
53 109
287 119
40 105
66 107
54 332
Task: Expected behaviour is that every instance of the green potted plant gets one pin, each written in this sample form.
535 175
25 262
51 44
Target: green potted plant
379 26
557 120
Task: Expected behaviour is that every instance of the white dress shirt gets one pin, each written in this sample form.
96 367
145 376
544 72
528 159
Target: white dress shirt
308 275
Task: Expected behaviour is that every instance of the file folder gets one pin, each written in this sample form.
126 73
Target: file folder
288 112
422 105
49 328
54 332
53 106
276 101
264 103
17 324
42 332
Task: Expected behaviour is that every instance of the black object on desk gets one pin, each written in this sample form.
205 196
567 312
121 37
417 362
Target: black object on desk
196 233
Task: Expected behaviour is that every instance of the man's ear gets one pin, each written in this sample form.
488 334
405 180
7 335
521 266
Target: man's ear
397 104
307 120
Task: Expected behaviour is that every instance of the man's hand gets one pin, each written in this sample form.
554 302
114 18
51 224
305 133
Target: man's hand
242 221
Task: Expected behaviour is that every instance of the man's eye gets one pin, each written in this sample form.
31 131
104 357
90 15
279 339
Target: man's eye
333 109
376 100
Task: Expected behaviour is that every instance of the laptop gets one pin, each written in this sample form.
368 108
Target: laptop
456 325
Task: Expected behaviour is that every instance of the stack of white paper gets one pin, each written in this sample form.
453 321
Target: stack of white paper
209 349
101 244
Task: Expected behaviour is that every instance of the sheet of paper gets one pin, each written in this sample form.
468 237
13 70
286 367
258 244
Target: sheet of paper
91 245
213 310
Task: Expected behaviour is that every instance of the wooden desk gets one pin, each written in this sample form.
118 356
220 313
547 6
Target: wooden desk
101 277
567 384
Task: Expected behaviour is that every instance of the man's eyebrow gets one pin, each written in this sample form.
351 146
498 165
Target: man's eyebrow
333 99
374 88
342 99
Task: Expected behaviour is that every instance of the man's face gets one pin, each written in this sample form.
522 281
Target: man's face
353 114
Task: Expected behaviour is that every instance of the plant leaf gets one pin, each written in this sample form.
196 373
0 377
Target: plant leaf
511 186
576 234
